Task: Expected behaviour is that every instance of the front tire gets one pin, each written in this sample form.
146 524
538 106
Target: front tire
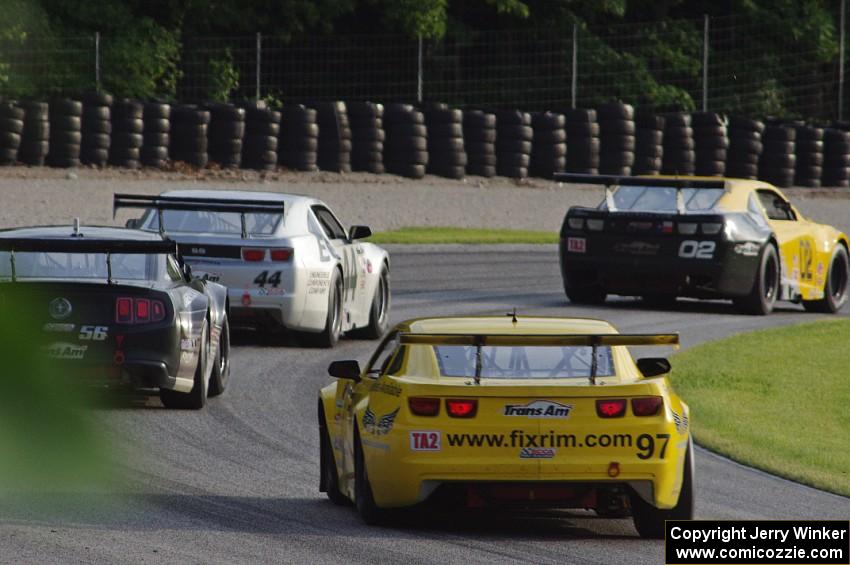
762 298
649 520
836 285
197 397
221 363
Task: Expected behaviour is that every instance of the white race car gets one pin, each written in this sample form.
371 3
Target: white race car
286 259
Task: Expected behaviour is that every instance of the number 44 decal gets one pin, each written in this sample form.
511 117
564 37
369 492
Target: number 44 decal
265 278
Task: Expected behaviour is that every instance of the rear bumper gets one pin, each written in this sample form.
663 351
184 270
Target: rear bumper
137 374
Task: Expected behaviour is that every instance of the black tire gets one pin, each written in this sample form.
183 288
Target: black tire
329 336
221 363
649 520
836 285
369 512
585 294
762 297
328 476
197 397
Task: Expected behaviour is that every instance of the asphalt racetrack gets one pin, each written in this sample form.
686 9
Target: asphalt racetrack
238 481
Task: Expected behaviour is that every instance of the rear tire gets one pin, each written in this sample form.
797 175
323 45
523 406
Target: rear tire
379 315
197 397
221 363
329 479
329 336
836 285
591 294
649 520
663 301
762 298
363 498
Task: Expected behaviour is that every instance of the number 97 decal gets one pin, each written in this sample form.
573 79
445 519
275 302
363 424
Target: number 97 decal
690 249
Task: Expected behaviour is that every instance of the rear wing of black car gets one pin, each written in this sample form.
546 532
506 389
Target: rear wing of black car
161 203
107 247
553 340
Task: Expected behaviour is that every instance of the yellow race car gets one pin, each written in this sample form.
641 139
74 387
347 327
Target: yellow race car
515 412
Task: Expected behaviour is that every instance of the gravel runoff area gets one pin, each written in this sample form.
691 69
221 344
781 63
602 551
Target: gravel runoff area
49 196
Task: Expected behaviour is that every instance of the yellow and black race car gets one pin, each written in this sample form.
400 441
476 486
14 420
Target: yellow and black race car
508 412
663 237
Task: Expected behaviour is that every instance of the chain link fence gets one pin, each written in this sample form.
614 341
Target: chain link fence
724 64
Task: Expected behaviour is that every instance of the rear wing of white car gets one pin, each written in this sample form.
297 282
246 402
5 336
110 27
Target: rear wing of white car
161 203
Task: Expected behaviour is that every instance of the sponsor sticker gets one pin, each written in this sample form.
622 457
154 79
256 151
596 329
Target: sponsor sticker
681 422
386 388
637 248
66 351
378 425
536 453
748 249
576 245
425 440
539 409
58 328
60 308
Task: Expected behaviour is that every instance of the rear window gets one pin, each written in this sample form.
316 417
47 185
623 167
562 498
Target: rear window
225 223
524 362
663 199
46 265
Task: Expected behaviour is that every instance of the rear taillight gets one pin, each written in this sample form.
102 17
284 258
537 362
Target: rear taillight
575 223
711 228
461 407
281 254
422 406
648 406
611 408
595 224
130 310
687 228
253 254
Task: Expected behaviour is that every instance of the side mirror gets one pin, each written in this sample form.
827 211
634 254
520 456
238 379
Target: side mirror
348 369
133 223
359 232
653 366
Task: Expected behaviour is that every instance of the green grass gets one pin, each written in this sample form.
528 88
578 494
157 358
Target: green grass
439 235
778 400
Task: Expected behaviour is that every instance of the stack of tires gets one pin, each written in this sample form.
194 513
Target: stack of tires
156 134
836 158
406 148
446 152
127 128
367 136
777 161
514 137
711 142
479 137
617 138
745 148
549 146
262 128
96 129
334 137
226 133
649 143
679 157
11 127
582 141
298 143
808 149
65 133
188 136
35 138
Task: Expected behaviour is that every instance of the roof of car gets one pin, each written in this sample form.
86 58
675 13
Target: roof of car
531 325
94 232
287 199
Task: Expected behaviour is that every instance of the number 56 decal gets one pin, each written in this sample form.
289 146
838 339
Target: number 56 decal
691 249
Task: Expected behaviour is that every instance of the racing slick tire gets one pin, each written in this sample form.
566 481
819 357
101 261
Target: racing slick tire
762 297
328 337
659 300
379 314
221 363
328 480
649 520
584 294
197 397
835 287
364 501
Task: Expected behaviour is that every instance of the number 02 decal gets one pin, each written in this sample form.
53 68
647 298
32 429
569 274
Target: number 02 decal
691 249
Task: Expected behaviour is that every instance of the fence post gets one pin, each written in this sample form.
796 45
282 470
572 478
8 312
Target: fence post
97 61
574 82
705 64
841 66
419 71
259 51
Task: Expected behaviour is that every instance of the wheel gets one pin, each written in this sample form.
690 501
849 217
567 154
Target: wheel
592 293
328 479
379 316
363 498
649 520
221 363
659 300
762 297
197 397
835 289
333 323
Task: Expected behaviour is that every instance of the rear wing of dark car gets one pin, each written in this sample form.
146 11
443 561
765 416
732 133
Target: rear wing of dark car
161 203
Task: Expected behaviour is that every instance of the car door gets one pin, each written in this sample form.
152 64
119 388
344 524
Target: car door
347 251
796 242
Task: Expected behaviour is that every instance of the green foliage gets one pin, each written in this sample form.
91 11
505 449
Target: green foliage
222 78
142 63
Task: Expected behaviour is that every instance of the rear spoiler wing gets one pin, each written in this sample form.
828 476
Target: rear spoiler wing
160 203
610 181
14 245
587 340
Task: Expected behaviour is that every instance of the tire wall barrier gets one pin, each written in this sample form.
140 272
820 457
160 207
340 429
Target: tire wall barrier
187 141
226 133
679 156
745 147
262 131
156 134
127 129
65 132
649 143
446 150
549 144
582 141
334 153
711 142
514 137
366 120
406 148
35 138
96 129
11 128
479 136
778 160
298 143
836 158
617 138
